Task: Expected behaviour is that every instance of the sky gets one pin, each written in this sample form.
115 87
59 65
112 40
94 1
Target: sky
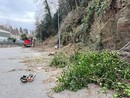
21 13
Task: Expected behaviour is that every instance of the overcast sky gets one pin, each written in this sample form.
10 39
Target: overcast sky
20 13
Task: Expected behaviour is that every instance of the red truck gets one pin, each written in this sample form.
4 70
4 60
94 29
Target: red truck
27 42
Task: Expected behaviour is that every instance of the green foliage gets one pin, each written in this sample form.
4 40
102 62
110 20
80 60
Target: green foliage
12 39
101 5
103 68
124 90
95 7
89 19
23 36
59 60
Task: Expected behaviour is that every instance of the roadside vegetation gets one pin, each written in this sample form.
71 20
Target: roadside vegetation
59 60
103 68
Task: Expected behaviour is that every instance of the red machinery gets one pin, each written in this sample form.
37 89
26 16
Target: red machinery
27 42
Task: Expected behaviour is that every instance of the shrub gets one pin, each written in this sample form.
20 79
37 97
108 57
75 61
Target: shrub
23 36
101 6
104 68
59 60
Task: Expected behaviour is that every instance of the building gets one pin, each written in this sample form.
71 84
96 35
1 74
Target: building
4 35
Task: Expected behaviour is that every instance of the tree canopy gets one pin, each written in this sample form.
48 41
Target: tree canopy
48 25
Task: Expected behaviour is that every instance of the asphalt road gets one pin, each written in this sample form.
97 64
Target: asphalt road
12 68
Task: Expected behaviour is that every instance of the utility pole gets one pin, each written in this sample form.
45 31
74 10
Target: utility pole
58 25
58 29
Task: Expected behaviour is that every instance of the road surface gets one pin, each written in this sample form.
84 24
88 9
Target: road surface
12 68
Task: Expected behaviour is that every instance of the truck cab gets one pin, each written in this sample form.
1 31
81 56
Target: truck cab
27 42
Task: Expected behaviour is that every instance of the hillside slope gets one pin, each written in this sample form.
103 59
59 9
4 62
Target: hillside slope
103 24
